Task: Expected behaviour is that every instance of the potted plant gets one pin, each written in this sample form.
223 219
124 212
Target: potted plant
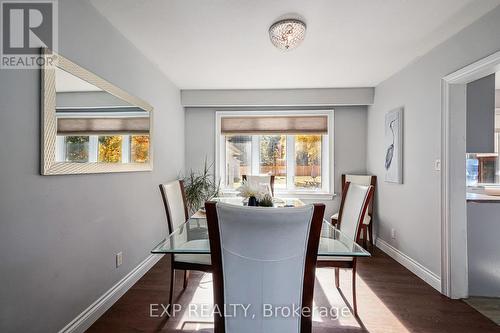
266 200
200 187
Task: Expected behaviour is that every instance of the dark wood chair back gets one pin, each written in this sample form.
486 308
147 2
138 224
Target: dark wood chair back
362 180
176 189
310 258
365 204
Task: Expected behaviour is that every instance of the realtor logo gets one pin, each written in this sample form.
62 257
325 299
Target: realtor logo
26 27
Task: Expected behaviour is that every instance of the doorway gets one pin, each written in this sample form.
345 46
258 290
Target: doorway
454 255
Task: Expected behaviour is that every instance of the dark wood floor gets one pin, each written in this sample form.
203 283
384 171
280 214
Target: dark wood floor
390 299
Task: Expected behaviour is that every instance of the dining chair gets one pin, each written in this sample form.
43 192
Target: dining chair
259 180
353 208
367 226
174 201
263 256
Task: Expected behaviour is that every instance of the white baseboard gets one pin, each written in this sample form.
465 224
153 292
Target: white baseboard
412 265
85 319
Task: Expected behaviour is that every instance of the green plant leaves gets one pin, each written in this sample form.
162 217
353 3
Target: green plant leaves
200 187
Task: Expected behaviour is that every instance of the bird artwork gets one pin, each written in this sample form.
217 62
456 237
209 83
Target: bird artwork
393 144
390 150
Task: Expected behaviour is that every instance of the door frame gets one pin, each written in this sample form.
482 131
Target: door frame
454 270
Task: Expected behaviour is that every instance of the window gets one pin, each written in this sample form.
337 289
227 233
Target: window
484 168
238 154
103 148
115 135
139 148
307 161
77 149
272 158
110 149
296 149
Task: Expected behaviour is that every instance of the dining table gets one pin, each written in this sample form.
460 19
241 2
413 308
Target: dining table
192 236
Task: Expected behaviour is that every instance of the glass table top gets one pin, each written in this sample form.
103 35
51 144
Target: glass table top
192 236
277 202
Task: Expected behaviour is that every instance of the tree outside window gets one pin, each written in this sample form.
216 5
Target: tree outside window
139 148
77 149
110 149
273 157
307 161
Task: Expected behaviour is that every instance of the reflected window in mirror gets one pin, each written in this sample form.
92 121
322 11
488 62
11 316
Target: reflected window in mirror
89 125
103 149
95 126
139 148
76 149
110 149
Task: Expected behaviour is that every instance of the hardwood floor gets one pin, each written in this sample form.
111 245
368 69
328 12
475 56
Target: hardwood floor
490 307
390 299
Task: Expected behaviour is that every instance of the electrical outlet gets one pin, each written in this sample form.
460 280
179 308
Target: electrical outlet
437 165
393 233
119 259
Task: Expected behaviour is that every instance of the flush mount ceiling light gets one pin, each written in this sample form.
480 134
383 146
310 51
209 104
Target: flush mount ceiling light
287 34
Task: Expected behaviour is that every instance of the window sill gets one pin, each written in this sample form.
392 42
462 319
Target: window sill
306 195
481 188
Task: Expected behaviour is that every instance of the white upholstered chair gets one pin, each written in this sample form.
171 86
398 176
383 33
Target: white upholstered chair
367 226
174 201
256 181
353 208
263 256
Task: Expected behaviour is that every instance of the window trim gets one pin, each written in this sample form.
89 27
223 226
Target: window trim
94 148
327 149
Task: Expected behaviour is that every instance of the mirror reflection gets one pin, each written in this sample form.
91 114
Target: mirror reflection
94 126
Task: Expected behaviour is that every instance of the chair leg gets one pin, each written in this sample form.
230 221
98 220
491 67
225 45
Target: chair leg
354 301
171 292
370 231
365 236
186 278
337 277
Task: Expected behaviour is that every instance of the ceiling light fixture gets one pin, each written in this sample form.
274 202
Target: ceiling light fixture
287 34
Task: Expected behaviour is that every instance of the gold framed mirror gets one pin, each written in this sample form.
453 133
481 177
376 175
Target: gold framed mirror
89 125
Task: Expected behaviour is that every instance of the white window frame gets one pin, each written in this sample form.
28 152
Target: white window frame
327 154
93 148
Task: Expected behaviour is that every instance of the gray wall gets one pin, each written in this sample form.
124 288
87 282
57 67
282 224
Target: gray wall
349 145
481 115
277 97
59 234
416 217
88 99
483 248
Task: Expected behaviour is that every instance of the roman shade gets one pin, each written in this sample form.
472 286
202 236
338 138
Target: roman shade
102 123
301 124
104 126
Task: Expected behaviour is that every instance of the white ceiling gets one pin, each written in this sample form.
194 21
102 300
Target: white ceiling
202 44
